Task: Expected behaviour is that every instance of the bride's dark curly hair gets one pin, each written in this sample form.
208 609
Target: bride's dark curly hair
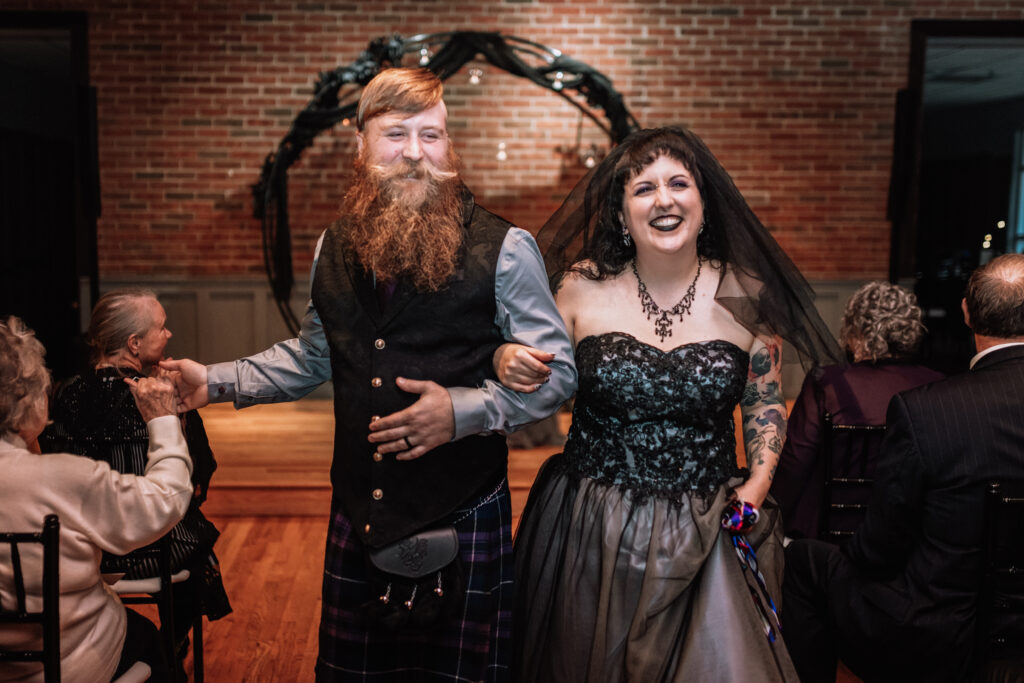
764 290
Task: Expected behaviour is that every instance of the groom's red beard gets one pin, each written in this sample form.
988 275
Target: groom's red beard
407 230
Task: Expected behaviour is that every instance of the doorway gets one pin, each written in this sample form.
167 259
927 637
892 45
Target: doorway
49 195
954 179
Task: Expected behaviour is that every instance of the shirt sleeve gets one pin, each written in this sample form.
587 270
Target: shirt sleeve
126 511
285 372
526 314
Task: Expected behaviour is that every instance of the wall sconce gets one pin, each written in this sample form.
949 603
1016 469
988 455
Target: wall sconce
474 75
587 156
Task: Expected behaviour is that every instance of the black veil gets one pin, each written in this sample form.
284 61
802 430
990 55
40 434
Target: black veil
759 284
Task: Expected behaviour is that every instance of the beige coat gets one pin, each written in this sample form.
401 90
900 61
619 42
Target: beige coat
99 509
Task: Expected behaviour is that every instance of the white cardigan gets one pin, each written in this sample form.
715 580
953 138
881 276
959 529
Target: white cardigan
99 509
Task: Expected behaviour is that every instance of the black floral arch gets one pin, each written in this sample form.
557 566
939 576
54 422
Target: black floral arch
336 97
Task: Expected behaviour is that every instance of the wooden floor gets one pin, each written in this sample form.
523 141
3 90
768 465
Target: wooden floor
270 499
272 568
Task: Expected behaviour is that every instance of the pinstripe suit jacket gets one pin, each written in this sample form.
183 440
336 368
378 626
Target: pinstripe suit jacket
920 541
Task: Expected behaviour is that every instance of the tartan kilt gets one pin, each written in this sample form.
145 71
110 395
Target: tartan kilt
476 647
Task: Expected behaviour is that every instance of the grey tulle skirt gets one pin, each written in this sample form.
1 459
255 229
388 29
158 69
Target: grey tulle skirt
611 590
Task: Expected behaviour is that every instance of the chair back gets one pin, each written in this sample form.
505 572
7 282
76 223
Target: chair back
999 629
159 590
849 454
18 613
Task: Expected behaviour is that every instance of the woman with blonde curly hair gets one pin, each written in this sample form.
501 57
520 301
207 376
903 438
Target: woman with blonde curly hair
882 332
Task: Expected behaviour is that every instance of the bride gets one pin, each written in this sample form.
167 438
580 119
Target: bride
677 300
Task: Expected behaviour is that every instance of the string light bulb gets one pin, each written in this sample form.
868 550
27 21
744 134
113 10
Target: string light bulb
590 156
502 154
557 85
424 56
474 75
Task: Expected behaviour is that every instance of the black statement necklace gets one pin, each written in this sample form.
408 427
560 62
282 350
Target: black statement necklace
662 318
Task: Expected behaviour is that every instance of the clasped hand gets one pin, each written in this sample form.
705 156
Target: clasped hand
522 368
190 380
154 396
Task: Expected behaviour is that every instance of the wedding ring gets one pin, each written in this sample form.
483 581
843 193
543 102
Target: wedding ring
407 442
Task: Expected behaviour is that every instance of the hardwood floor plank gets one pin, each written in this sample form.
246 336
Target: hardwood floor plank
272 568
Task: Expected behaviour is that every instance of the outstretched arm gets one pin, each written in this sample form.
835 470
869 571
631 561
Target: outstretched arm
285 372
763 408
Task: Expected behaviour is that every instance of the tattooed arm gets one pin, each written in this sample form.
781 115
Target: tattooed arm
764 418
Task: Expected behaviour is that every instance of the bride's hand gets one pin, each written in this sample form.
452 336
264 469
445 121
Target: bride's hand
750 492
522 368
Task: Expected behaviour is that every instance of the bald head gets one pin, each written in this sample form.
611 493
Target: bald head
994 301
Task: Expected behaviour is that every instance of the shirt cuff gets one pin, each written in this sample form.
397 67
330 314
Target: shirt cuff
470 411
220 382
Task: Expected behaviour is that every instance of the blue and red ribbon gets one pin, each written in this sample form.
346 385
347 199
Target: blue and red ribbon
739 518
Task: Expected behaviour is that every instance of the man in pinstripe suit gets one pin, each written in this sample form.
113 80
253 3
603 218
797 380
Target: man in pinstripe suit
897 602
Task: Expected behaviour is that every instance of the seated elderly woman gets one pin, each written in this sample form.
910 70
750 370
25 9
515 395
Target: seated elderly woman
99 510
93 415
882 331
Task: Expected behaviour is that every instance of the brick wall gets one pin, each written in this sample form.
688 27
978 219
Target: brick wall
795 97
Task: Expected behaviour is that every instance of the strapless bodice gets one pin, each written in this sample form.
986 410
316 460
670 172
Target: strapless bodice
658 422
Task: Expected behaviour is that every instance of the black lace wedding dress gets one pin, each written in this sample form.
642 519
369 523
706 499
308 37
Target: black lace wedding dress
623 571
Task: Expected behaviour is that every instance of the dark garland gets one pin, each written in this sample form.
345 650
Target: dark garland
270 192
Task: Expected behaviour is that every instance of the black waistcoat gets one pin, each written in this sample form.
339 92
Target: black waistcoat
448 337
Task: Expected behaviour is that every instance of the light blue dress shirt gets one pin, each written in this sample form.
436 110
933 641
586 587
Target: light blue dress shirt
526 314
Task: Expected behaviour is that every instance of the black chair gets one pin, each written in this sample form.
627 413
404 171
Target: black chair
49 618
999 629
849 454
159 590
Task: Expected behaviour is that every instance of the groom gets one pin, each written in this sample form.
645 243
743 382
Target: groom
414 288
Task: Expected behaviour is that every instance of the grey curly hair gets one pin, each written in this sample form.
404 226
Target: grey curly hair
24 379
882 320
